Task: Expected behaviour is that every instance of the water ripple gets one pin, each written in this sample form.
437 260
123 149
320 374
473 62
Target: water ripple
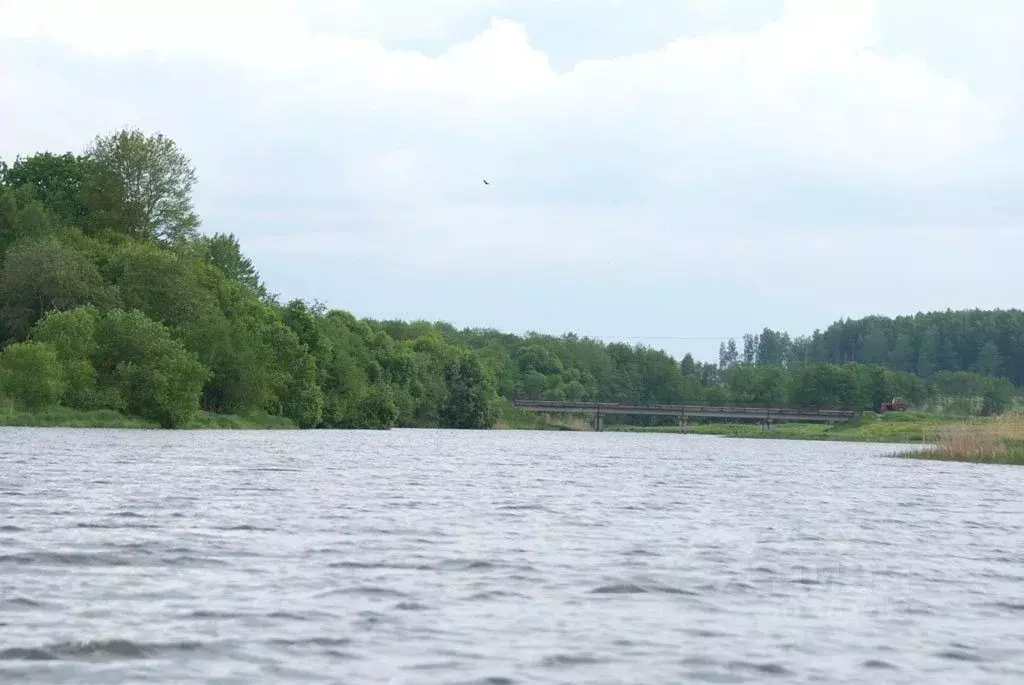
499 558
636 588
879 664
97 649
74 559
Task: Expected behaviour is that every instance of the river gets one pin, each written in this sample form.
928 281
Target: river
181 558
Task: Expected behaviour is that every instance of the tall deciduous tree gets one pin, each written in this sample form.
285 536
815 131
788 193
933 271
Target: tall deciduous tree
772 348
144 186
728 354
750 343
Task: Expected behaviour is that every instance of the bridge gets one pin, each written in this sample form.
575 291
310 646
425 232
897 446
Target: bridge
766 416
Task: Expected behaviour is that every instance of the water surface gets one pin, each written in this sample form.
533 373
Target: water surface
500 557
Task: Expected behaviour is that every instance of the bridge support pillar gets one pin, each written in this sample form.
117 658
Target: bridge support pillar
683 423
598 422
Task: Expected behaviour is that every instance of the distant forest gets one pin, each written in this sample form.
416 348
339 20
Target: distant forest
989 343
111 298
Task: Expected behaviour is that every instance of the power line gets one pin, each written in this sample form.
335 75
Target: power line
664 337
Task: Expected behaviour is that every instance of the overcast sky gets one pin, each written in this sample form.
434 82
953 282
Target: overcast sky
660 169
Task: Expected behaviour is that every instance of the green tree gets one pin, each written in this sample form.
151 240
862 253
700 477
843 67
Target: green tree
234 340
902 357
377 408
772 348
304 321
802 349
874 347
163 285
224 252
153 374
44 274
728 354
30 374
60 182
928 354
874 385
974 393
503 368
660 377
750 344
470 394
759 385
537 357
824 385
988 362
688 367
931 342
949 359
72 334
427 388
143 186
23 218
997 397
302 399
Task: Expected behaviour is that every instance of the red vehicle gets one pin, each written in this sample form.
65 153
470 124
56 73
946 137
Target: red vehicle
895 404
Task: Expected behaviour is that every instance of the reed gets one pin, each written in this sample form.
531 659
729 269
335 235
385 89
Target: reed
999 440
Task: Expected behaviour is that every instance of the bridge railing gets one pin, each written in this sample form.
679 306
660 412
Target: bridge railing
752 408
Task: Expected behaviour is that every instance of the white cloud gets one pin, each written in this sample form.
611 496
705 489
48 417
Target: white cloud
226 29
807 86
314 136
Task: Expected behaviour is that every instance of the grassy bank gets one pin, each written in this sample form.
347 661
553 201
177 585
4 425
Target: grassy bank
62 417
510 418
996 441
893 427
991 441
910 427
999 440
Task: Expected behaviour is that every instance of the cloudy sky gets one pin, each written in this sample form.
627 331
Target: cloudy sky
670 172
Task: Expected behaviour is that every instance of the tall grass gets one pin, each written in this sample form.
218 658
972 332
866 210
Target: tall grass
999 440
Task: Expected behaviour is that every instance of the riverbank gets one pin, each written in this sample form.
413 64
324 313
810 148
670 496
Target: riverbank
996 441
991 441
910 427
1010 455
62 417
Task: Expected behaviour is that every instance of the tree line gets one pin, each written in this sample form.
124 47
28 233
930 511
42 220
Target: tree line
112 298
982 342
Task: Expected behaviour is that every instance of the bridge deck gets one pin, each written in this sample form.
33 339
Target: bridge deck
683 411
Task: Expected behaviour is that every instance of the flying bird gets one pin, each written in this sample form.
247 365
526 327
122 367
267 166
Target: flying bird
486 182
